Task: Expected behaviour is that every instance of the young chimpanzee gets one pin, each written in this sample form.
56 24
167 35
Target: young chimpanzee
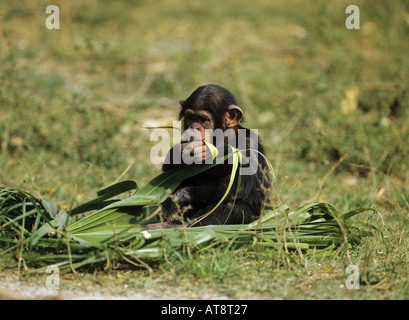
208 113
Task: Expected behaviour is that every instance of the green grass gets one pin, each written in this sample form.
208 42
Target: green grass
73 103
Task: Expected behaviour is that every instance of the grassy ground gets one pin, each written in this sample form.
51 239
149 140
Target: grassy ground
330 104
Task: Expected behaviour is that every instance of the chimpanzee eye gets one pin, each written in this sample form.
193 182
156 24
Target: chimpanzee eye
203 119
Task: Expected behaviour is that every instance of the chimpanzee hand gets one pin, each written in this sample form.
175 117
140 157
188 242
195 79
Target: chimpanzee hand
195 152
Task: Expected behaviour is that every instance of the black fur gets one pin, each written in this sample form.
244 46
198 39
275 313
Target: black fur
204 191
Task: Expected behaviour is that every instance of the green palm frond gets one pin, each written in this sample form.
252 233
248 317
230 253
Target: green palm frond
117 230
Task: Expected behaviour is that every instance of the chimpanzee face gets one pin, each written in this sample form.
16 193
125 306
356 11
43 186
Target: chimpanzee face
215 103
208 110
198 120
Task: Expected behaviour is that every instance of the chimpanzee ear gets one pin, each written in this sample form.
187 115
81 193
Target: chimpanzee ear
233 116
182 110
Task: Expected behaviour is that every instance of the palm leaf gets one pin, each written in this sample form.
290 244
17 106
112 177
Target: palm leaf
45 235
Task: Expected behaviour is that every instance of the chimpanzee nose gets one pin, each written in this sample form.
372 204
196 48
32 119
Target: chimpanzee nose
195 125
192 133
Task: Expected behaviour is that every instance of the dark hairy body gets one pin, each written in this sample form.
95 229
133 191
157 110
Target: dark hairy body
209 108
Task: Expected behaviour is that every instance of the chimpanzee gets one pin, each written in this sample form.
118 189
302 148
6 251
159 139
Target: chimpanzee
212 109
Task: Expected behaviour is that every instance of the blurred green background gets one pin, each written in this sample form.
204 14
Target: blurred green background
330 104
